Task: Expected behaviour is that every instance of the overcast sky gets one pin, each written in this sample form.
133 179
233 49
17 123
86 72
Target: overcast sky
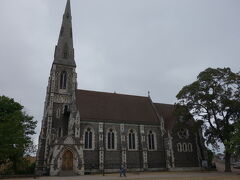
127 46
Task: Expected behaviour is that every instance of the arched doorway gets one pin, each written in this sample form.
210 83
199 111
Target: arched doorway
67 161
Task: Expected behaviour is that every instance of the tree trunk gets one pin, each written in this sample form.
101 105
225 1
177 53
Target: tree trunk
228 162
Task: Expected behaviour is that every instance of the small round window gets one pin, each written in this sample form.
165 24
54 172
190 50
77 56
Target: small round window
183 134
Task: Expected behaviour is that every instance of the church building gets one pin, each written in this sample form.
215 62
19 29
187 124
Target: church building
93 132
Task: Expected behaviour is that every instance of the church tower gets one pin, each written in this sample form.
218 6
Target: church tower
60 151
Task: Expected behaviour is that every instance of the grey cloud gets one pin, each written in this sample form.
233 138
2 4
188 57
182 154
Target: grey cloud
127 46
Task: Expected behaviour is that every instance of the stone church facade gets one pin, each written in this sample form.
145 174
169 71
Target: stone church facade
93 132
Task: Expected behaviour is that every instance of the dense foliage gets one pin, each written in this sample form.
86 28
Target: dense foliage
214 98
16 129
236 140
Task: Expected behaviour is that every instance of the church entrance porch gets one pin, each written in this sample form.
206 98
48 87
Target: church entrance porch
67 161
67 164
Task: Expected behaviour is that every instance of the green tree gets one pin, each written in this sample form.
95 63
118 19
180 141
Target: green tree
236 140
16 129
214 98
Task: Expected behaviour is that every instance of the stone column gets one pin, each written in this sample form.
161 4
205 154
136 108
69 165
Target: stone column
144 147
101 146
170 160
123 145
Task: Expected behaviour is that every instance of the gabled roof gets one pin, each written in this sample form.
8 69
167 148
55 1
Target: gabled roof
166 111
112 107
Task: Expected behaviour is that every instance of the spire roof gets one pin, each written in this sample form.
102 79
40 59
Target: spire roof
68 8
64 51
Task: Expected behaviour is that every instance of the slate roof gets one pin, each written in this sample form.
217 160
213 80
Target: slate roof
65 40
166 111
120 108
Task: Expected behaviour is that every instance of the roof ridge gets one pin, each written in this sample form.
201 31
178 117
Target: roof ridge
163 103
113 93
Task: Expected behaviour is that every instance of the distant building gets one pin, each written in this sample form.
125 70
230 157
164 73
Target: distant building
87 131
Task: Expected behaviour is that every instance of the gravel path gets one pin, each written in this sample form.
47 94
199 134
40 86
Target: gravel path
156 175
146 176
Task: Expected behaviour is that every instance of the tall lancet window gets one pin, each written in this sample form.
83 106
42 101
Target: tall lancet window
151 141
65 51
111 140
132 140
88 139
63 80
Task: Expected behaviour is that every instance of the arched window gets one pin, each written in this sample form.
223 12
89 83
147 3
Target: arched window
65 51
185 148
88 139
63 80
131 140
151 141
58 113
179 147
111 139
190 148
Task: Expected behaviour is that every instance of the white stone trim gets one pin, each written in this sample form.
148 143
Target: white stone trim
100 127
142 129
77 125
124 157
101 159
145 159
171 153
100 137
122 128
123 138
163 131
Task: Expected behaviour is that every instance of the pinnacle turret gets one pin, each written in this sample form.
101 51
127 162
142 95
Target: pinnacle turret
64 51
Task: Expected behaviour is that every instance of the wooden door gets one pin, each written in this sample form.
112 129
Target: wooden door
67 161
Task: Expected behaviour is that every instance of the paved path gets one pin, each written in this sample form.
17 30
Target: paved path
139 176
221 167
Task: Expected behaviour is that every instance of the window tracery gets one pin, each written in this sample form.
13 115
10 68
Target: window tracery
183 133
63 80
111 141
132 140
151 140
88 139
179 147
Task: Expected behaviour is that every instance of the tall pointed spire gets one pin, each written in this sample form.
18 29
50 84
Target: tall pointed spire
64 51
